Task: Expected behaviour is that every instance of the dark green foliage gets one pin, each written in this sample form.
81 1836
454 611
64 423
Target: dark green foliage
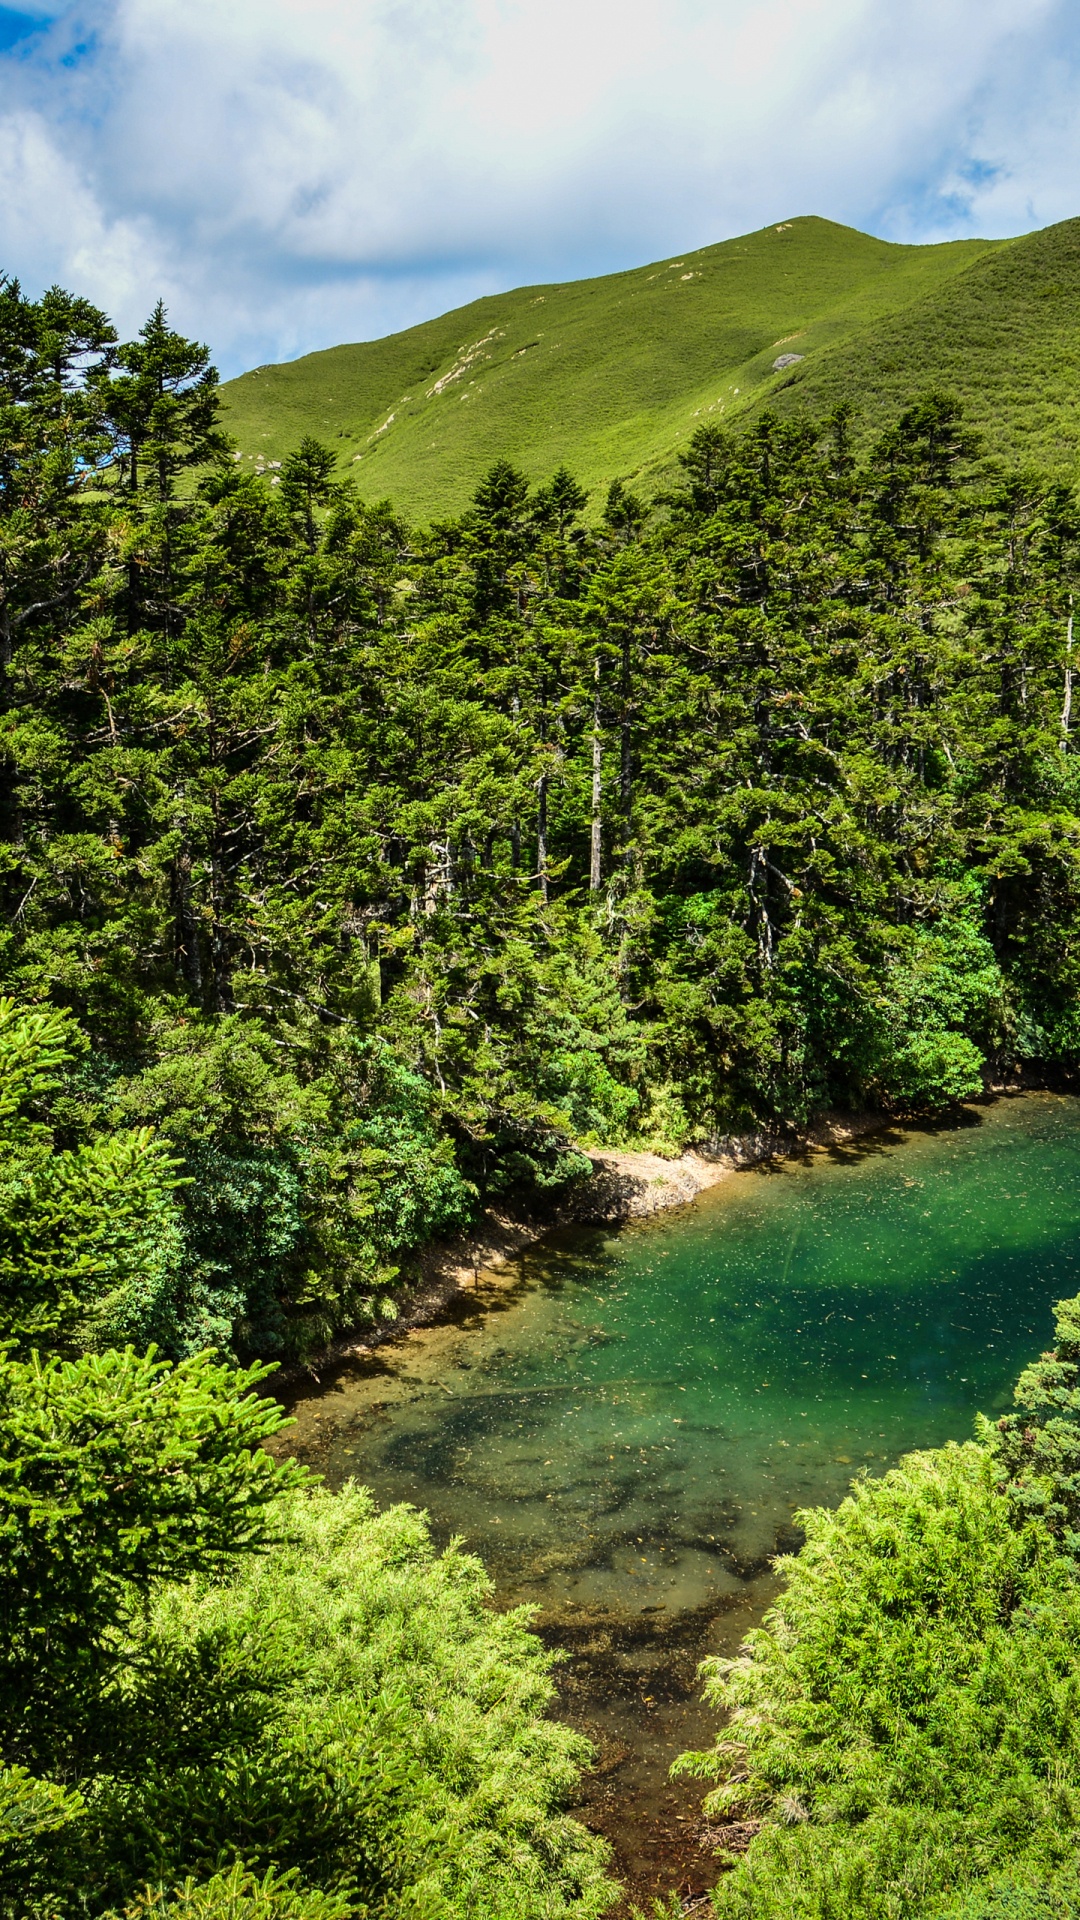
158 396
385 871
416 1191
115 1473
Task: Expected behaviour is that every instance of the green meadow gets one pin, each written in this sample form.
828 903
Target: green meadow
1002 334
613 375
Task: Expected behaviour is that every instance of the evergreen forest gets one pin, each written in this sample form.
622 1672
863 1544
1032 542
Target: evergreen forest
358 876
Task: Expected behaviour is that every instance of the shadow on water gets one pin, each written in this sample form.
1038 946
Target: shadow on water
626 1424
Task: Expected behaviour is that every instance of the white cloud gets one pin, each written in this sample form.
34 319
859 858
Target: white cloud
294 172
52 219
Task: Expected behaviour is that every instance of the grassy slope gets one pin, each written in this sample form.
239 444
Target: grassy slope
1004 335
605 374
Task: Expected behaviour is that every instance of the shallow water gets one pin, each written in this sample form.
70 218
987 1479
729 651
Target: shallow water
626 1426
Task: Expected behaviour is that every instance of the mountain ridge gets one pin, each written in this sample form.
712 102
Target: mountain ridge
609 374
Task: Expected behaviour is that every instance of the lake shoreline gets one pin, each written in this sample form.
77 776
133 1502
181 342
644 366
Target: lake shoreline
642 1527
625 1185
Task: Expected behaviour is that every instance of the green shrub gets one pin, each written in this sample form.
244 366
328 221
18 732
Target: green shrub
907 1721
239 1894
90 1236
345 1708
206 1660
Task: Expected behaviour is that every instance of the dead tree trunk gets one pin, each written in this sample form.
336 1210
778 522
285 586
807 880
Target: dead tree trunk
541 836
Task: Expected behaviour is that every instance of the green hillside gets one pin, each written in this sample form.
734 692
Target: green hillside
605 374
1004 334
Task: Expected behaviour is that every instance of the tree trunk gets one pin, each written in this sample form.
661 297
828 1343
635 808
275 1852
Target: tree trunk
597 792
541 837
438 875
759 895
515 824
626 761
219 944
1066 709
186 929
542 803
220 940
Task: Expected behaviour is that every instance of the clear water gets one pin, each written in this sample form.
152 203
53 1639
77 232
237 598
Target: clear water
625 1424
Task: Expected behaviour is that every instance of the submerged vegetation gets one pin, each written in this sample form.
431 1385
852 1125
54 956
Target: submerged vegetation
354 875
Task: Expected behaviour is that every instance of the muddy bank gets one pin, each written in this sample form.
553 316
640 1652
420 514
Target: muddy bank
624 1186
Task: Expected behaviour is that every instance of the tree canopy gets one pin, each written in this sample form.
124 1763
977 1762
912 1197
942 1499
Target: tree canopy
226 1692
373 860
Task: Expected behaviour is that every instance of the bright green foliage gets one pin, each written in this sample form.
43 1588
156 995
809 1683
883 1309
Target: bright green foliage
34 1815
240 1894
1038 1447
1052 1896
342 1709
402 1749
906 1722
89 1238
938 986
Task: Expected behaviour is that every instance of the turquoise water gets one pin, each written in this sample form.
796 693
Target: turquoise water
625 1424
638 1417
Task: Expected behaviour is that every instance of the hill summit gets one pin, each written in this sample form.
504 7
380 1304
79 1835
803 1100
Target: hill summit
610 375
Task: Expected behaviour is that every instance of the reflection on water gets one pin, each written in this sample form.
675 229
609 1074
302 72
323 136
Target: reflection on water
625 1426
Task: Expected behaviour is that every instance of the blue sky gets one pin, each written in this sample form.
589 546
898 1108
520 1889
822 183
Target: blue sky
291 173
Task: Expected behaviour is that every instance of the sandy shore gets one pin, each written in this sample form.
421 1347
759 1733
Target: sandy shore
624 1186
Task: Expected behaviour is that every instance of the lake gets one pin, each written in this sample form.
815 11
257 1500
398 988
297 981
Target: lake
624 1424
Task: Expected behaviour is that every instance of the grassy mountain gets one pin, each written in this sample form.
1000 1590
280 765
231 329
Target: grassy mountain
606 374
1002 333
